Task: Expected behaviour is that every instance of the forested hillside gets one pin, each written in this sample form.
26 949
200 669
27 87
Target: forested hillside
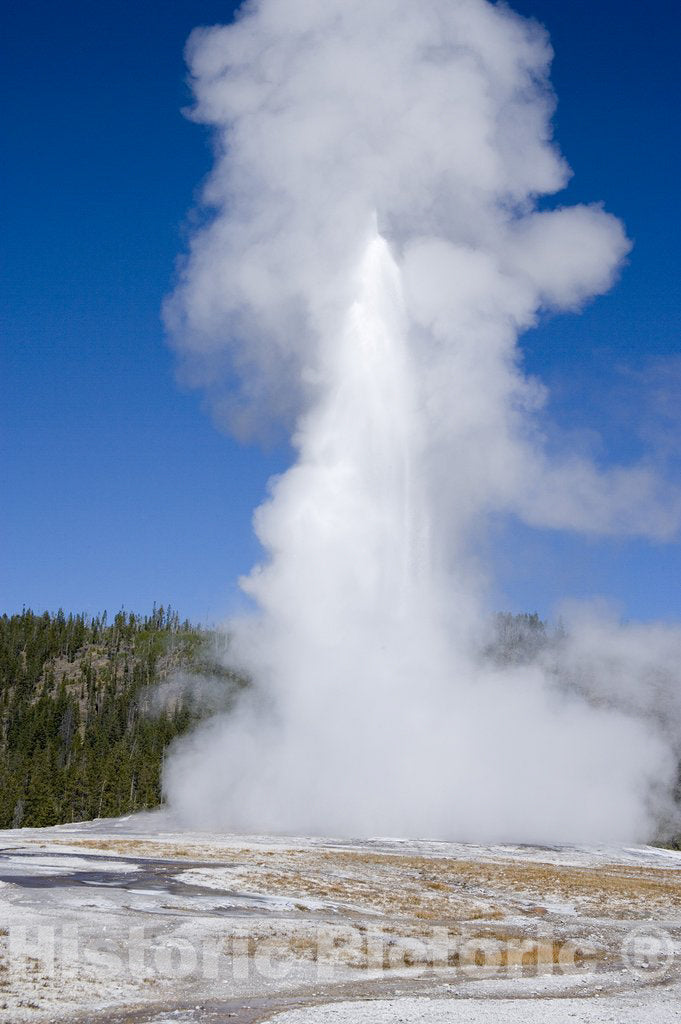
88 708
81 733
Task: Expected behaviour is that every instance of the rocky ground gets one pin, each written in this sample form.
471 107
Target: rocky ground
132 920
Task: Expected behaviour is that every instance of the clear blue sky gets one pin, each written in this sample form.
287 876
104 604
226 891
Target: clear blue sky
117 488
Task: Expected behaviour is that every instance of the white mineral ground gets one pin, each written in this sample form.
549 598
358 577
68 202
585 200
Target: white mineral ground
134 920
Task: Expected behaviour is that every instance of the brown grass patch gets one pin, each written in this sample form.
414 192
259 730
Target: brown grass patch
425 888
141 848
611 890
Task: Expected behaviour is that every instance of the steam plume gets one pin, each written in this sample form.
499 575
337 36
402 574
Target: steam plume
374 249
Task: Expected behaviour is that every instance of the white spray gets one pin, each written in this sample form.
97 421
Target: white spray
373 253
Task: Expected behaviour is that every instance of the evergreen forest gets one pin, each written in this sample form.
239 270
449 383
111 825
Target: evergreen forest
81 733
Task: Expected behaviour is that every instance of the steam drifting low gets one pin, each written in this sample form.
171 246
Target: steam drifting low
373 250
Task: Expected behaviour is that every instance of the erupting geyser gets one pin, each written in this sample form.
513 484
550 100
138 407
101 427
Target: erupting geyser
374 251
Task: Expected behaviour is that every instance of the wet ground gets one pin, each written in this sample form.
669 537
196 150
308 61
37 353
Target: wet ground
147 876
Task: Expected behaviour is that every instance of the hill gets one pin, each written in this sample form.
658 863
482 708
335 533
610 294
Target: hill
82 733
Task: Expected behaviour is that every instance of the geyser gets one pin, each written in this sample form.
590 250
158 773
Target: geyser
373 251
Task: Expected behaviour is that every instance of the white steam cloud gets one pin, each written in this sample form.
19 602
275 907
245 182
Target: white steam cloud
374 249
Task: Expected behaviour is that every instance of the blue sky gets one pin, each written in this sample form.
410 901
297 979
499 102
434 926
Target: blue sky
118 490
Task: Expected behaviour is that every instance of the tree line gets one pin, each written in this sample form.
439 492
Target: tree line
88 706
80 734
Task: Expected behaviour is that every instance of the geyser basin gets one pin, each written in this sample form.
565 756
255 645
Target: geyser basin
329 921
